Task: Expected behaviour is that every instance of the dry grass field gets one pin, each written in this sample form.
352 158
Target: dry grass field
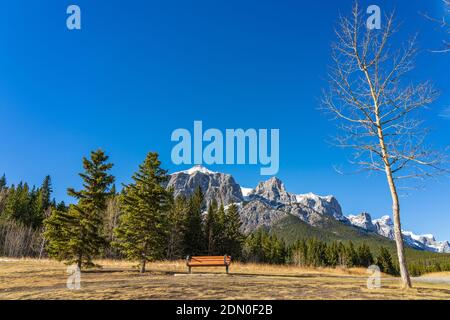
46 279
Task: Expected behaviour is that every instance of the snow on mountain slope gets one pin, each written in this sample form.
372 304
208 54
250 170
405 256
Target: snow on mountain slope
363 220
196 168
246 192
270 201
214 185
385 227
323 204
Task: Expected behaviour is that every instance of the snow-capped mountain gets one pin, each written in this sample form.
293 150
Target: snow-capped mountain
245 192
363 220
273 192
385 227
269 202
215 185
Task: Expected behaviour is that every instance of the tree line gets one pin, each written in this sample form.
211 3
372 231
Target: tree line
145 222
264 247
25 204
23 210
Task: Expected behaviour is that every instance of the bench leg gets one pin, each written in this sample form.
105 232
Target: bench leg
190 271
227 269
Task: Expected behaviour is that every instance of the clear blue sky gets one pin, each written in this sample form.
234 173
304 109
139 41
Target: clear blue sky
140 69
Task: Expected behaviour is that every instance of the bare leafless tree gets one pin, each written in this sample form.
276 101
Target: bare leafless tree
378 115
444 24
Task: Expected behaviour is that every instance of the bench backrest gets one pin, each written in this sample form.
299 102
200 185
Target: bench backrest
199 261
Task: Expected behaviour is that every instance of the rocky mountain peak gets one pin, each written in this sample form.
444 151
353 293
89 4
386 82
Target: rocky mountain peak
363 220
273 191
214 185
196 169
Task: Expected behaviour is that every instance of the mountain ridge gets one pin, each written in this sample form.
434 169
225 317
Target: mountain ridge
269 202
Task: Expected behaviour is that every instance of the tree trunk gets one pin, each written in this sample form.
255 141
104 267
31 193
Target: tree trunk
41 251
406 281
79 260
142 268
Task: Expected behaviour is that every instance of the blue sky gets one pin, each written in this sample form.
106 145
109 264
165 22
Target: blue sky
140 69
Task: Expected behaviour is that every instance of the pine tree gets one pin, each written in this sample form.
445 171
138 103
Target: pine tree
233 235
194 240
142 234
76 236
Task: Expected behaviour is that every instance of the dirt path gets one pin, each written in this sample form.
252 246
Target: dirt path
434 279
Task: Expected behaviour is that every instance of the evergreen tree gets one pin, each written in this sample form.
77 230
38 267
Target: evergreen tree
220 237
110 223
142 233
3 182
351 257
177 228
61 235
210 229
333 254
43 201
365 257
76 236
233 235
299 253
384 262
61 206
194 240
19 204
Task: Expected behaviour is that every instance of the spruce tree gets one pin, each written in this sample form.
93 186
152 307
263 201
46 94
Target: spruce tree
177 228
220 237
333 254
43 201
76 236
365 257
210 228
233 235
351 255
3 182
142 234
61 235
194 240
384 262
19 204
61 206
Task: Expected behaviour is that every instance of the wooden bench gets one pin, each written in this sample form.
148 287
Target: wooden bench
208 261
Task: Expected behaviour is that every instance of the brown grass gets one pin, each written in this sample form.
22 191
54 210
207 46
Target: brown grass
46 279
